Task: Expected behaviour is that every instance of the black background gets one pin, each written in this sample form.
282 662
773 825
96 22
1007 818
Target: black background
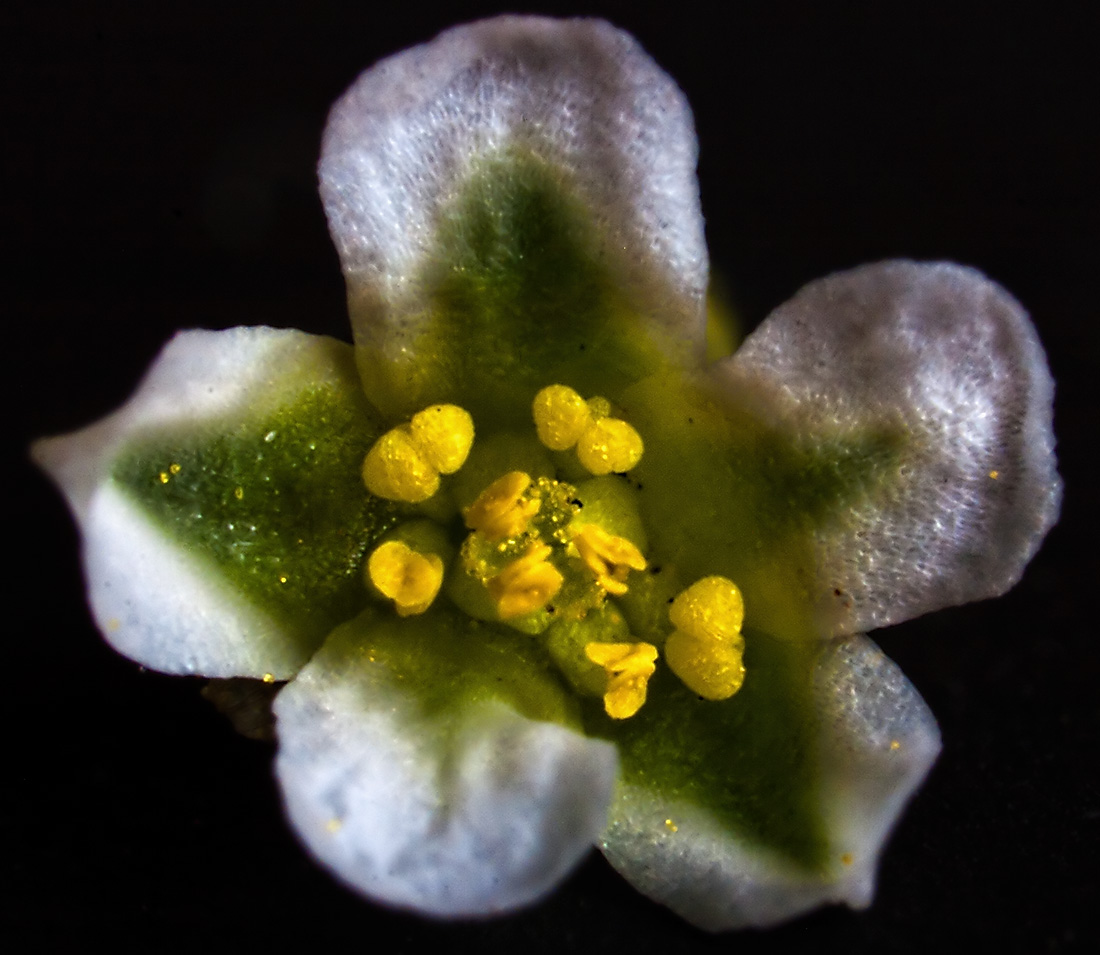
159 174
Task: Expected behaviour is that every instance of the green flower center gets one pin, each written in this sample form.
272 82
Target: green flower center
548 557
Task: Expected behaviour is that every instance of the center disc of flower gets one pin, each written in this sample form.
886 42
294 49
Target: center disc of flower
550 558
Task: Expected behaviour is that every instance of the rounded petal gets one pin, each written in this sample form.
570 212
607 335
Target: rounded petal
459 811
877 742
580 96
944 370
177 583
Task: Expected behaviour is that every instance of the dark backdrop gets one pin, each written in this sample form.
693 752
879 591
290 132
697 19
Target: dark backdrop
159 174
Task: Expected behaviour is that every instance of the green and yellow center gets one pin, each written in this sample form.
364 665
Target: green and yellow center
547 557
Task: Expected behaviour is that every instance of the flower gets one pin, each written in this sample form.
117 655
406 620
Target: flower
537 575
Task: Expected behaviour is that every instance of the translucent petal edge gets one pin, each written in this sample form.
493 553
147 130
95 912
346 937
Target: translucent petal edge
878 741
579 93
464 814
153 600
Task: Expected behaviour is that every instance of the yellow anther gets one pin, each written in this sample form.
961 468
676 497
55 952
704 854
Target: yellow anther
396 469
609 445
706 649
525 585
444 434
405 463
499 510
561 416
411 580
609 557
629 667
714 671
710 608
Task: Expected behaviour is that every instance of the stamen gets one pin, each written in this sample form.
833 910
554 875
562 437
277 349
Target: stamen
405 463
395 468
561 415
706 649
499 512
610 445
629 667
444 434
609 557
525 585
411 580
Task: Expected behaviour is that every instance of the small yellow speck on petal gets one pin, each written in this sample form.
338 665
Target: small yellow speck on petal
113 624
895 745
396 469
846 858
411 580
608 446
173 469
238 492
994 474
671 826
334 825
444 434
609 557
163 477
561 416
526 584
499 511
629 667
269 678
282 578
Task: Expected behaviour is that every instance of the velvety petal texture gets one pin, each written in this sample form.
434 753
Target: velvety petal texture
877 741
213 528
450 806
461 140
944 369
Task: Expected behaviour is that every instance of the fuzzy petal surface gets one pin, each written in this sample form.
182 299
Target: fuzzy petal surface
877 741
944 367
221 507
453 804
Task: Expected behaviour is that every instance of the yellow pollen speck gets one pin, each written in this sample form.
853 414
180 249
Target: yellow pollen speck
705 650
499 512
174 468
282 578
994 474
895 745
411 580
113 624
238 492
526 584
629 667
609 445
269 678
163 477
846 858
671 826
561 416
334 825
609 557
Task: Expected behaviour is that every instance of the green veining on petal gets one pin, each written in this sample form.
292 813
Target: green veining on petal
450 663
275 503
748 761
519 295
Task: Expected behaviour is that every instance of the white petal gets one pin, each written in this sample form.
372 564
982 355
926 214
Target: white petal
155 600
877 743
948 359
578 93
449 815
